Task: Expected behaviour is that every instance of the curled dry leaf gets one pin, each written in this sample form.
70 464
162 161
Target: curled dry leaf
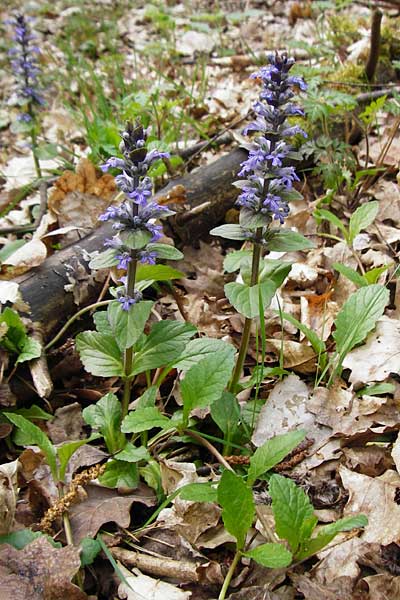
379 356
376 498
104 505
382 586
39 572
297 356
139 586
8 495
32 254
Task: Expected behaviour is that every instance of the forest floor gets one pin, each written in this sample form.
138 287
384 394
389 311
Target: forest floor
324 358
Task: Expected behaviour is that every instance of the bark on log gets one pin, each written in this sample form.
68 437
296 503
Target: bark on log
209 194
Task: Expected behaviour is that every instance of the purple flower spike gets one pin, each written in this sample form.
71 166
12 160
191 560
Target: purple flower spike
269 180
25 66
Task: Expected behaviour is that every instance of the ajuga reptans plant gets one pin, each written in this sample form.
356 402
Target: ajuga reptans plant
266 187
28 95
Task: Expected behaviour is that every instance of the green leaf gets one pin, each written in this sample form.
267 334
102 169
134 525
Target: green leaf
351 274
148 398
321 213
204 382
46 151
234 260
199 492
236 500
34 412
246 299
101 322
225 412
35 436
327 533
133 453
230 232
144 419
248 219
288 241
100 354
119 473
165 251
21 538
16 333
128 325
65 452
157 273
272 452
105 416
317 344
89 550
199 348
376 389
10 248
362 218
373 275
31 349
135 239
105 260
292 509
273 556
358 316
165 343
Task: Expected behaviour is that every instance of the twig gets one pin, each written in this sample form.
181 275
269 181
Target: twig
209 447
375 44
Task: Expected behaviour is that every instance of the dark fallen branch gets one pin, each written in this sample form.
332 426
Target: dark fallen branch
208 194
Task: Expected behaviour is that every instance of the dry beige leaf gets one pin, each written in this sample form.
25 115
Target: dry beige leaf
374 497
103 505
388 194
346 414
381 587
284 410
318 316
340 558
379 356
396 453
340 589
39 572
297 356
142 587
32 254
8 495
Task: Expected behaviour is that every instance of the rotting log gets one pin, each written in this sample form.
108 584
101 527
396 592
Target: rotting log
209 193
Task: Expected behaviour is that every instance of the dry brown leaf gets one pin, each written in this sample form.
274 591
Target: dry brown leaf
67 424
380 587
388 194
379 356
103 505
39 572
346 414
296 355
340 589
396 453
372 460
374 497
318 316
7 398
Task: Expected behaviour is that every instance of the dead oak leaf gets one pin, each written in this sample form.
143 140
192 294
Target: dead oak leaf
382 586
39 572
103 505
374 497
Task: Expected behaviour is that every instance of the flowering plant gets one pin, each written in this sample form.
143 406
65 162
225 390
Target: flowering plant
265 196
24 62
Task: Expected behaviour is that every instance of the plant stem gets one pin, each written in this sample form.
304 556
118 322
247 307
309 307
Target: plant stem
128 356
229 575
73 318
255 266
209 447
